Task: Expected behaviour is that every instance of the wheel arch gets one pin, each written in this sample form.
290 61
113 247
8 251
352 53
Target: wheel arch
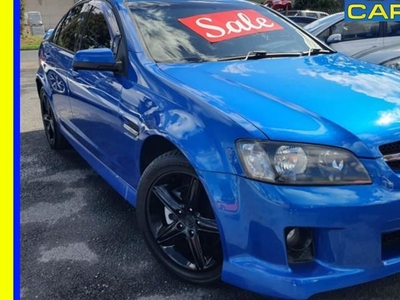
42 82
156 145
39 85
202 152
153 147
207 145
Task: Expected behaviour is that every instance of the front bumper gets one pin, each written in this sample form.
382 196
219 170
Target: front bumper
348 223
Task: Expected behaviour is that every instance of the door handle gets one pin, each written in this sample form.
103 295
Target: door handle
131 129
131 125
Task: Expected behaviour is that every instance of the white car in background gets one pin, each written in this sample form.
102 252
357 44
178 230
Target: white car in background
306 13
350 37
388 56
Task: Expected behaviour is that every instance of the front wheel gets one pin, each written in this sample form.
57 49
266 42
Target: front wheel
176 218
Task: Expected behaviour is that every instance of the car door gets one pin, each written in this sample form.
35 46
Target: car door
95 95
357 36
391 33
58 54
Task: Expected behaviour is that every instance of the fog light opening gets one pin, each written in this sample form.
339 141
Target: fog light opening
299 244
298 239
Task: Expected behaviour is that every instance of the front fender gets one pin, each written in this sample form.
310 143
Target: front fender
204 135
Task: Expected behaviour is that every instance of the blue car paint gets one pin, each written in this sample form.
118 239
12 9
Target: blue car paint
249 100
59 62
347 221
100 55
320 117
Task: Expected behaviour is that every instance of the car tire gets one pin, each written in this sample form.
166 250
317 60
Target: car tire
177 220
53 135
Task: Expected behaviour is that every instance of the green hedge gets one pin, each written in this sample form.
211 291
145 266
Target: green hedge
30 42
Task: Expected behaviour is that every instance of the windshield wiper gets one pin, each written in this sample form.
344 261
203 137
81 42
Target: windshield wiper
314 51
260 54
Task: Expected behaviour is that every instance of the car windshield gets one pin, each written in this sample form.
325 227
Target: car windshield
209 31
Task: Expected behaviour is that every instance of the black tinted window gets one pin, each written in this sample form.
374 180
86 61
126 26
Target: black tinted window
312 15
324 35
393 29
96 33
292 13
168 39
67 32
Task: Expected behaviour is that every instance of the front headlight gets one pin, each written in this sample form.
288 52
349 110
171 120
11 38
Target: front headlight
393 64
300 164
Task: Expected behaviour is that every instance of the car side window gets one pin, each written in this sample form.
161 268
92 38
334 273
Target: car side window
393 28
312 15
291 13
67 32
356 30
337 28
96 33
324 35
57 31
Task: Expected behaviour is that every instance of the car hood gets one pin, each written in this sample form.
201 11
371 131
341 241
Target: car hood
379 55
323 99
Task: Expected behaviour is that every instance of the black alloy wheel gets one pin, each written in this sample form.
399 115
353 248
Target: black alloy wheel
54 137
177 219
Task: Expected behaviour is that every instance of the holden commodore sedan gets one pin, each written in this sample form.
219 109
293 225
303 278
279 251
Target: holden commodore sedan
253 152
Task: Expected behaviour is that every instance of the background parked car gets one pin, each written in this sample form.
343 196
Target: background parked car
306 13
279 4
352 37
301 20
388 56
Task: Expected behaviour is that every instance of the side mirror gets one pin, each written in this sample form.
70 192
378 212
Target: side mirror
334 38
100 59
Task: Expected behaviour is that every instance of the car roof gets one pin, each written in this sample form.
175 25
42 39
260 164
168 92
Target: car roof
307 10
320 25
379 55
302 18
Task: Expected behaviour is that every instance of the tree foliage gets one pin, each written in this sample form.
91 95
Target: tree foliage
317 4
21 15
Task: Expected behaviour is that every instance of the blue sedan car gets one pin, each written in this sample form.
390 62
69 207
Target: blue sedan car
254 153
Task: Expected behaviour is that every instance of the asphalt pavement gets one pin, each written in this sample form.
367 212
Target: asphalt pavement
79 238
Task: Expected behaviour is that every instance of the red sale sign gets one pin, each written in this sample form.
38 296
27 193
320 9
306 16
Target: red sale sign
217 27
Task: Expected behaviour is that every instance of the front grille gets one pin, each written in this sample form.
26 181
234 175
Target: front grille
395 165
391 244
392 148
